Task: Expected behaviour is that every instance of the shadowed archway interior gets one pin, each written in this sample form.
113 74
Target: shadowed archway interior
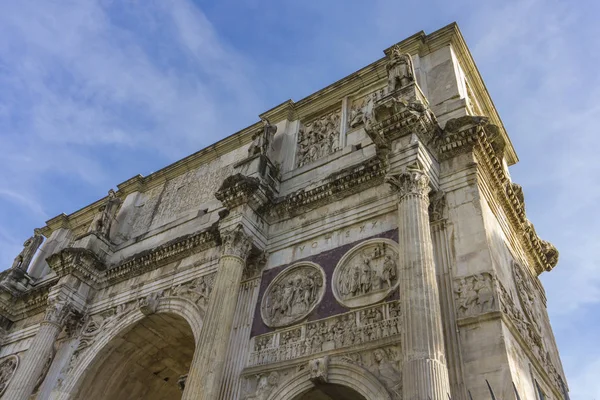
143 362
330 392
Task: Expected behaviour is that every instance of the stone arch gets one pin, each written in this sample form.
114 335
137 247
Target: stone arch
104 345
338 373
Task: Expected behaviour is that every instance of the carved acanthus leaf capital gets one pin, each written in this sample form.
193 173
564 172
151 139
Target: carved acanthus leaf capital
236 242
412 181
58 312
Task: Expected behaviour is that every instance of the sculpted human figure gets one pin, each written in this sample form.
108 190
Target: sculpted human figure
387 372
365 275
400 70
288 297
261 141
103 221
389 270
30 246
485 296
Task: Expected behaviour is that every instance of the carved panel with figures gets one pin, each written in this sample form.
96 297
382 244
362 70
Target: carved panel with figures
293 294
355 328
318 138
367 274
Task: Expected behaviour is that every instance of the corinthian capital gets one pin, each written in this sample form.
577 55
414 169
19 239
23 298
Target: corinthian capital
236 242
412 181
58 312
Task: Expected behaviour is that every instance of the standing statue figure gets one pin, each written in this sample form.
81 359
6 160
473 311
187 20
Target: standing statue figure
30 246
262 140
400 70
103 221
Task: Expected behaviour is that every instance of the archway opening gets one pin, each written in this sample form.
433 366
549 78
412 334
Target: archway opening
330 392
143 362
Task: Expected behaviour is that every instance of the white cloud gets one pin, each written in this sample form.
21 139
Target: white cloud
80 88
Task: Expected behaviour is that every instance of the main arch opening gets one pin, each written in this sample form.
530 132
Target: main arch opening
143 362
330 392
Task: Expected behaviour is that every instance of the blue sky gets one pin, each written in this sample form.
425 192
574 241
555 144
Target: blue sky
95 92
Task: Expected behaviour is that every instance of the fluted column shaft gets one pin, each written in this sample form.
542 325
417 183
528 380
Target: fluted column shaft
424 370
206 371
32 366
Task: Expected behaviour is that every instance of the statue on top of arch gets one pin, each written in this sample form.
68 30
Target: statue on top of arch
400 70
30 247
103 220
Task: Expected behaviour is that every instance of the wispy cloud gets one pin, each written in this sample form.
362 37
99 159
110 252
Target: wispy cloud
94 92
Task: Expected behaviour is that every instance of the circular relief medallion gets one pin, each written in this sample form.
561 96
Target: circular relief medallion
367 273
8 366
293 294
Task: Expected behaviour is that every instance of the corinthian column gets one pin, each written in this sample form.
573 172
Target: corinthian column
424 371
28 373
204 378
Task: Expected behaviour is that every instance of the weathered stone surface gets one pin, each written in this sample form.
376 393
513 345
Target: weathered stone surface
277 264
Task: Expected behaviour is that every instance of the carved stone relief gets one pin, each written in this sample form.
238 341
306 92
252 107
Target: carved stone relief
8 366
318 370
384 363
527 296
318 138
366 274
293 294
475 295
529 335
347 330
264 386
197 290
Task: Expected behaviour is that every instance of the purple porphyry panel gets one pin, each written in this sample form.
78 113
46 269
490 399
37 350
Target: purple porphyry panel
327 260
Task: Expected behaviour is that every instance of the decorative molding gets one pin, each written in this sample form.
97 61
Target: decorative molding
237 189
80 262
367 273
336 186
334 335
293 294
475 134
169 252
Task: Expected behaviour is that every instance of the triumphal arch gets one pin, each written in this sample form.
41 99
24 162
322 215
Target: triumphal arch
365 242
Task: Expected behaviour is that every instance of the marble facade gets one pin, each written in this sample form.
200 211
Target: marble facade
365 242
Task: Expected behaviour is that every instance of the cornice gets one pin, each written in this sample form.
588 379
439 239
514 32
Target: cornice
169 252
475 134
79 262
336 186
326 98
236 190
33 301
